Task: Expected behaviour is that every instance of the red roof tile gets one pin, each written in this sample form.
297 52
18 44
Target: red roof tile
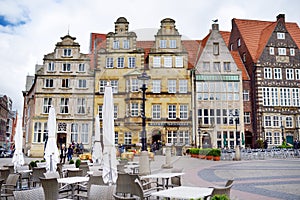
193 49
225 35
240 64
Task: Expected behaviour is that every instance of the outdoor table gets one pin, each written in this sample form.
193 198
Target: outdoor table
73 181
164 176
184 192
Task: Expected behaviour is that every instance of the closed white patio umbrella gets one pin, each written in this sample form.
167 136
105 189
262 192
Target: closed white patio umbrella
51 150
97 148
110 173
18 157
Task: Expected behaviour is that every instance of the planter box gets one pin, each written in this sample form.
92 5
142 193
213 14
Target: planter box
209 157
216 158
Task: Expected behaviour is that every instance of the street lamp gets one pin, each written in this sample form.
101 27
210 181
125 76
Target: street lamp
199 137
282 133
144 78
236 120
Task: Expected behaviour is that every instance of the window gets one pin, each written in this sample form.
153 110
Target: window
156 61
74 132
37 137
81 83
178 61
296 96
109 62
66 67
172 111
81 105
268 122
172 86
134 85
81 67
245 95
216 48
297 74
47 105
282 51
163 44
64 105
51 67
126 44
102 85
156 111
271 50
172 44
156 88
231 47
115 111
134 109
127 138
289 122
48 83
276 121
100 111
116 44
120 62
167 61
116 137
84 133
289 74
247 118
114 86
172 137
269 137
292 51
131 62
277 73
244 57
226 66
183 111
67 52
183 84
277 138
65 83
239 42
280 36
217 66
206 67
267 73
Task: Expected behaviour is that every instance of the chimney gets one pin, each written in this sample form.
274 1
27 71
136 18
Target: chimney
281 16
215 27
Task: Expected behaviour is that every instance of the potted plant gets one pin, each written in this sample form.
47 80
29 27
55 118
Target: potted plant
77 163
220 197
209 155
216 154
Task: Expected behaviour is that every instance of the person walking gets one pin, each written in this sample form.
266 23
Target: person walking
63 153
70 152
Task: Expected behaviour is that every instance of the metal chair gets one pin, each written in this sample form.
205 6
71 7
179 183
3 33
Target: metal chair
51 175
141 192
36 193
95 179
221 190
176 180
72 173
52 189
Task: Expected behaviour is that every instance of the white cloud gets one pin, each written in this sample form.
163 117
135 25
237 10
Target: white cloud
22 47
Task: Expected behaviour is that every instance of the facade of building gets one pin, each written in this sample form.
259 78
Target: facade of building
65 82
270 52
218 97
121 60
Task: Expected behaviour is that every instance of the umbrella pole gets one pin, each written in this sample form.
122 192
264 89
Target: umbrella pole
51 167
110 172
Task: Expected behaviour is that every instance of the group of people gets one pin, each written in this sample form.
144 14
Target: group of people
68 152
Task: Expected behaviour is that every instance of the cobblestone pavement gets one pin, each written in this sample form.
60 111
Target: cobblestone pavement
271 179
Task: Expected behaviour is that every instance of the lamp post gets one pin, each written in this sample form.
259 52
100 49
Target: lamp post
236 120
144 77
199 137
282 133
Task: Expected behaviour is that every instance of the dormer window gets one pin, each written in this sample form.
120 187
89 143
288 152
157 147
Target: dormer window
116 44
67 52
163 43
173 44
280 36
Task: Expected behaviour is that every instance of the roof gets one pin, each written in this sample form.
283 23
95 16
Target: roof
240 65
193 49
256 34
225 35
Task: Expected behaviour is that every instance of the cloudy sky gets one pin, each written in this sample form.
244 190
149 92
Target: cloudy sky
29 29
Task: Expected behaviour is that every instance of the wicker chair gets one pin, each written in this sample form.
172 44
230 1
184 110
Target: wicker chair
94 180
37 172
36 193
102 192
142 193
221 189
24 176
85 169
52 189
72 173
51 175
4 172
10 185
175 181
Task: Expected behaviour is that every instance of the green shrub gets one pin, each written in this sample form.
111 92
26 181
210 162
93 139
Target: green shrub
77 163
43 160
71 161
215 152
194 151
220 197
32 164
